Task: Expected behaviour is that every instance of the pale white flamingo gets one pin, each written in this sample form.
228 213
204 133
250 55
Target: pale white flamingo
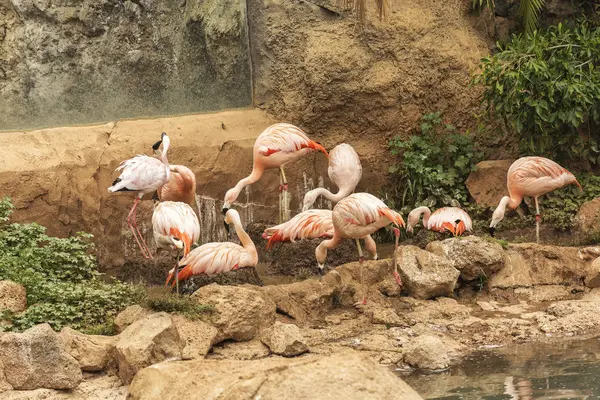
452 219
180 187
357 216
175 227
310 224
275 147
216 258
533 177
344 170
142 174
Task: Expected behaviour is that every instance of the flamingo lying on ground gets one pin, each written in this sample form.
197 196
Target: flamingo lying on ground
357 216
276 146
344 170
180 187
176 227
452 219
215 258
142 174
533 177
309 224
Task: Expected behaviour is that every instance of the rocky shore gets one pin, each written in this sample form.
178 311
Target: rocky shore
307 337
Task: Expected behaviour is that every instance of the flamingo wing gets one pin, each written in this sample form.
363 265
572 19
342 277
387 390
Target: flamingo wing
140 174
345 169
535 176
309 224
214 258
446 218
361 214
175 219
284 138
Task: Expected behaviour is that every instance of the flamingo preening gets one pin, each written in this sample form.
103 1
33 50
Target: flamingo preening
452 219
310 224
216 258
344 170
142 174
180 187
275 147
175 227
357 216
533 177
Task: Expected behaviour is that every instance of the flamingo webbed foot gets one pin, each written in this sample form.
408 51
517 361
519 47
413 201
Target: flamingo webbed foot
397 278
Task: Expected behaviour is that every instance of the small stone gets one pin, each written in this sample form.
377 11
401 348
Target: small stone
427 352
13 297
37 359
284 339
485 306
145 342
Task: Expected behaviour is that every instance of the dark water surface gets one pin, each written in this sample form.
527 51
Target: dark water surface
568 370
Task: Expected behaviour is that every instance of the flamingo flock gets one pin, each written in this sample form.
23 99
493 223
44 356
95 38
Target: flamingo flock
355 216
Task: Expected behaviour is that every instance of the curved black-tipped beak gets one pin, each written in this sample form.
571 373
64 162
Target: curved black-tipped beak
492 231
224 210
162 136
457 221
156 145
226 226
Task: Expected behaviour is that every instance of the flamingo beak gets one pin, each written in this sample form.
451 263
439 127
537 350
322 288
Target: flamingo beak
492 231
224 210
226 226
156 145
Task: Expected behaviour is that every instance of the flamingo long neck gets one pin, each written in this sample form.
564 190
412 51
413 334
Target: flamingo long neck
513 201
163 155
425 212
334 198
321 250
257 172
188 184
247 243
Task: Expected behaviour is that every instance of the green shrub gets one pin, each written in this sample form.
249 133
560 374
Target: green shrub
546 86
60 276
433 166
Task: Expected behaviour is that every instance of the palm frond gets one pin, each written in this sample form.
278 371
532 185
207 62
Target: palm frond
530 10
481 4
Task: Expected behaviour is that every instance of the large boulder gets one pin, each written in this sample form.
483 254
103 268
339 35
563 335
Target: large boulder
93 352
347 375
592 277
145 342
473 256
587 220
13 297
129 315
284 339
4 385
197 335
36 359
426 275
487 184
532 264
240 313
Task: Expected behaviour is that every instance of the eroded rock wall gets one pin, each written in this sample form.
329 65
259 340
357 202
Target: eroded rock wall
87 61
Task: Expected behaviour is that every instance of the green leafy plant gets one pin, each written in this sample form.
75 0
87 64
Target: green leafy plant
159 300
60 276
546 86
529 9
432 166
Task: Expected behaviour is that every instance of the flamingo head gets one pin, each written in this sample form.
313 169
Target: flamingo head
230 197
409 227
309 200
178 243
231 217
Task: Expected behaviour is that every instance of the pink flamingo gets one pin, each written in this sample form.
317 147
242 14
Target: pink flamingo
176 227
452 219
310 224
344 170
180 187
275 147
533 177
357 216
142 174
216 258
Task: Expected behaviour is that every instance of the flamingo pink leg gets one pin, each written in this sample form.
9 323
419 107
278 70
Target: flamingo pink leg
396 274
361 261
132 223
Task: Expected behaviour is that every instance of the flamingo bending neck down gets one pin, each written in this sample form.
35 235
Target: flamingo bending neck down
452 219
533 177
357 216
143 174
175 227
216 258
310 224
275 147
344 170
